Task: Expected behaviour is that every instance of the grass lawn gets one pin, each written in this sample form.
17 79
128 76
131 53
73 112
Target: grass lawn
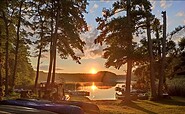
175 105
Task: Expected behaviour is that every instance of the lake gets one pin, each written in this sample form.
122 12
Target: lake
101 92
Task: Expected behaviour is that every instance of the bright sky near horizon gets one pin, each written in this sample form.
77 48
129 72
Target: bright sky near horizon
91 59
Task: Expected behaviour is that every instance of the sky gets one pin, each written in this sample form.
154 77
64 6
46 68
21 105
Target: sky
92 57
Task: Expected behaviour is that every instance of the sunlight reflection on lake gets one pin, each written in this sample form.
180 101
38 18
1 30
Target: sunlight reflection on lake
106 93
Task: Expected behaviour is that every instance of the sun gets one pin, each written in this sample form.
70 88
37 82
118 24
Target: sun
93 71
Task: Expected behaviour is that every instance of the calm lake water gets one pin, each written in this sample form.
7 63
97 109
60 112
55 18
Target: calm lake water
101 94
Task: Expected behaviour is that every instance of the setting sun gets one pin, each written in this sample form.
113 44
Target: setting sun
93 71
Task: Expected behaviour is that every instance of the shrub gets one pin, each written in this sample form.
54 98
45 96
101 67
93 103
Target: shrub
176 86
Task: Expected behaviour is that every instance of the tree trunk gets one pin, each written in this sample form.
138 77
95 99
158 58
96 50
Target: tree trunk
40 49
7 54
1 79
129 61
54 66
159 50
17 47
0 60
38 65
54 40
158 43
50 65
128 81
152 75
157 29
51 51
161 78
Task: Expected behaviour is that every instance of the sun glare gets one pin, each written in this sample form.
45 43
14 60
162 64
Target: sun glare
93 71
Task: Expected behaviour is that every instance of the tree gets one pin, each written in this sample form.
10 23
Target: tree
65 21
55 38
6 22
9 19
129 56
17 45
171 51
152 76
71 23
178 58
117 35
146 13
25 73
51 43
1 54
41 31
157 28
161 78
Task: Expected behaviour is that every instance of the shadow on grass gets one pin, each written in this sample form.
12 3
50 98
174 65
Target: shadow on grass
171 101
150 103
134 105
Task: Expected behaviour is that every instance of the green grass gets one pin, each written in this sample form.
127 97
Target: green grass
176 105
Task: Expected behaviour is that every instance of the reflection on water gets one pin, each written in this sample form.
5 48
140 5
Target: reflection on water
100 94
93 87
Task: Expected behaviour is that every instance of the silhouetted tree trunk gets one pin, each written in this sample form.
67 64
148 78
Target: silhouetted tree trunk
159 50
1 78
38 65
129 60
54 66
51 49
54 42
68 18
152 74
161 78
40 48
7 52
17 47
50 64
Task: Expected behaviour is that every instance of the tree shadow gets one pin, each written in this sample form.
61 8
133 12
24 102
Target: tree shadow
134 105
171 102
151 103
167 101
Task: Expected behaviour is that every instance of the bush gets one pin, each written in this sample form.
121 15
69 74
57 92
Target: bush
176 87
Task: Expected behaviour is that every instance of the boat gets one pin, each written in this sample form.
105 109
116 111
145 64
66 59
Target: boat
78 93
11 109
88 108
134 94
43 105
